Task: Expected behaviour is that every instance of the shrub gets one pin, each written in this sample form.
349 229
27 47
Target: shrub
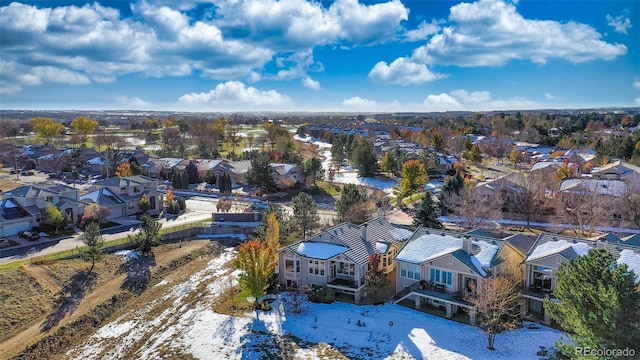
182 203
323 295
173 208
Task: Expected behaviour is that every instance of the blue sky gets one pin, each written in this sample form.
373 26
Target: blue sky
342 55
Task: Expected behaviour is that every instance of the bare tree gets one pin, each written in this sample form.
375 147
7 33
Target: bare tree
632 205
532 196
587 207
472 209
496 305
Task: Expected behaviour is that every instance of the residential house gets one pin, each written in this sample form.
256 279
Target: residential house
586 191
546 256
286 174
128 191
619 170
14 218
339 256
238 171
509 188
34 199
160 168
439 268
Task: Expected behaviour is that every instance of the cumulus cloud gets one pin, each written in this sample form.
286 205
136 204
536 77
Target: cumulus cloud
637 101
133 103
402 71
636 83
311 84
620 23
163 38
461 99
492 33
358 103
549 96
441 102
234 93
423 31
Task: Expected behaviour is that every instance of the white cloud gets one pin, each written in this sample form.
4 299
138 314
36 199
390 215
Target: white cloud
133 103
549 96
474 101
358 103
637 101
310 83
636 83
474 96
402 71
234 94
423 31
620 23
441 102
492 33
368 24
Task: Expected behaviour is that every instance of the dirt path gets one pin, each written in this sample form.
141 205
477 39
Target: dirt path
44 279
13 346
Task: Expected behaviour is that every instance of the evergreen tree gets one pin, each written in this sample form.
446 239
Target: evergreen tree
176 180
427 213
94 242
260 174
351 196
192 172
364 158
313 169
452 186
228 182
598 303
148 235
438 142
413 178
305 213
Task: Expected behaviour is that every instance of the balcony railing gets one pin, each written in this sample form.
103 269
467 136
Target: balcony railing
538 291
292 275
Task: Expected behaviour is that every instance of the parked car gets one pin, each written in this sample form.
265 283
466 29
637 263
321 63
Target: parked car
29 235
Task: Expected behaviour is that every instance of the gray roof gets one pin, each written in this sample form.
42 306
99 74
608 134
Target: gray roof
521 242
480 232
103 196
633 240
12 210
351 236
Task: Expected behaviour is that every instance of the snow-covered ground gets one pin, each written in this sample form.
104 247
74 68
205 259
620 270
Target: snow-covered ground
187 327
349 174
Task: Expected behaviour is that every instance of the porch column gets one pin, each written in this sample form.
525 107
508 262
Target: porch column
449 312
472 316
416 300
547 320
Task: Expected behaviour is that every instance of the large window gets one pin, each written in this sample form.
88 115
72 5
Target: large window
292 266
345 268
542 278
316 267
410 271
438 276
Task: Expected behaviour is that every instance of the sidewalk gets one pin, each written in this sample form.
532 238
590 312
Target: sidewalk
52 246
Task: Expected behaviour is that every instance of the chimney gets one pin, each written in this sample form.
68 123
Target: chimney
601 244
466 244
364 232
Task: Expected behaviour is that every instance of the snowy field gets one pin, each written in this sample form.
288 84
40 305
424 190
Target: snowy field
186 327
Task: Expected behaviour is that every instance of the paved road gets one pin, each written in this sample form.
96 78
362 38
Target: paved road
44 247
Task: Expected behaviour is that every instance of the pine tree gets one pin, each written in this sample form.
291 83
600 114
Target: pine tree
305 212
260 174
427 213
94 242
598 303
192 172
351 196
148 236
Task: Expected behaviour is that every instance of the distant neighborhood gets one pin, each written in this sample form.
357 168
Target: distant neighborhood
430 212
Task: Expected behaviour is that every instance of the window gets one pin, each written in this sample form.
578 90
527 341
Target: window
440 276
292 266
410 271
346 269
542 278
316 267
136 189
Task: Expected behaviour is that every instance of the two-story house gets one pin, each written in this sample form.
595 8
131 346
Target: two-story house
122 195
546 256
439 268
339 256
34 199
14 218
